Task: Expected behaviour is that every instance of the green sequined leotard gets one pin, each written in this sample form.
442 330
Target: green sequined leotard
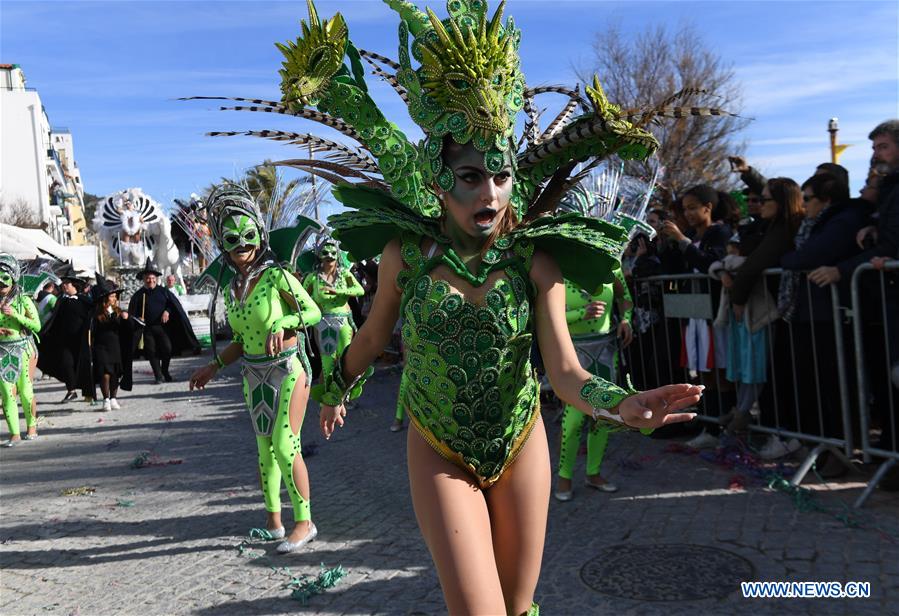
269 381
468 383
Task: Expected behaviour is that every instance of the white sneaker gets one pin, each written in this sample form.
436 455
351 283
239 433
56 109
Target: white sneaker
703 441
775 448
114 404
107 405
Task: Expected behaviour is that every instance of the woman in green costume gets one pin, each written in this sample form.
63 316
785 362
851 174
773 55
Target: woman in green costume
589 318
474 263
267 309
19 322
330 286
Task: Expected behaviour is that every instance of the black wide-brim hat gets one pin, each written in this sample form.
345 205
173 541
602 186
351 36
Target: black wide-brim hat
103 288
148 269
68 274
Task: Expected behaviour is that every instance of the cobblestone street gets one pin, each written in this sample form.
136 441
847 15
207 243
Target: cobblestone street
82 532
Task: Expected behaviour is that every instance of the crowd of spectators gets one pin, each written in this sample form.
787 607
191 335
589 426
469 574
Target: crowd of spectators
768 349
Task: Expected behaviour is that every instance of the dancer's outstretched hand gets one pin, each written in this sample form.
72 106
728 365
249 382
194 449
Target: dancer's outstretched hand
201 376
659 407
329 417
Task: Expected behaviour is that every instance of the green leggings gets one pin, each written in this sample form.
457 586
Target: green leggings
278 452
597 439
344 337
597 436
26 396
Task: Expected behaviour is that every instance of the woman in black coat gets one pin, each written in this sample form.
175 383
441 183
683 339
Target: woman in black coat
110 342
826 237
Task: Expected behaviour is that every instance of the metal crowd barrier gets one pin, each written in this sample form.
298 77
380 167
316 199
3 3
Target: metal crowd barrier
786 411
878 378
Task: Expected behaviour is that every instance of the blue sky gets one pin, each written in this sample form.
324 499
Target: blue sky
111 71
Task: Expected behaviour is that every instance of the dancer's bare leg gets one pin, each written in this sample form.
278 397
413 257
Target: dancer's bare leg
32 366
519 504
454 521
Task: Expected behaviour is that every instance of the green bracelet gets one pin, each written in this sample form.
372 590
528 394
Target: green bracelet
334 390
218 361
603 395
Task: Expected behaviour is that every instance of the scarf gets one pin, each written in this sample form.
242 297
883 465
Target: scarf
789 280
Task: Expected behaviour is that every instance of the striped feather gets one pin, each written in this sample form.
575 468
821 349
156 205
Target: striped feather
311 163
575 94
336 152
376 57
309 114
255 101
531 123
560 121
379 72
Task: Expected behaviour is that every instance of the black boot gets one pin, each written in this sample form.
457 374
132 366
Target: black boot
165 371
157 373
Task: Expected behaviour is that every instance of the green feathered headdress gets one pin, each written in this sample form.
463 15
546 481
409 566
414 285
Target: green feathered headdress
461 79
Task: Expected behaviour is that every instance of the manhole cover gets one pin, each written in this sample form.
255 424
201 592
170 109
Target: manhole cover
666 572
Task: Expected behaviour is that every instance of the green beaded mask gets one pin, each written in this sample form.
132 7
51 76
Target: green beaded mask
328 252
9 270
239 231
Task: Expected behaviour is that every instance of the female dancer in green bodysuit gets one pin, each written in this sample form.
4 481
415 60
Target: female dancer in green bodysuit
590 324
474 266
267 307
330 286
19 321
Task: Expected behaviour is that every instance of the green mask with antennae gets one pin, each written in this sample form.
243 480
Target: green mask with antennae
240 231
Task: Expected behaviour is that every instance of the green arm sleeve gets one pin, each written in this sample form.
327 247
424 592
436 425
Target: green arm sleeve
627 315
354 289
575 314
308 313
26 314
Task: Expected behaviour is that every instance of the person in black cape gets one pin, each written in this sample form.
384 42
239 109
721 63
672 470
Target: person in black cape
162 327
110 339
63 351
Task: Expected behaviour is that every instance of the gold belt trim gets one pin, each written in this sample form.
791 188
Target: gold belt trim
456 458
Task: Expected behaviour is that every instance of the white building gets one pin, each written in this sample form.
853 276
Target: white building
40 184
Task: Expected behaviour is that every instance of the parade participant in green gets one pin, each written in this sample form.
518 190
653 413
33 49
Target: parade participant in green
19 321
589 318
473 260
267 309
330 285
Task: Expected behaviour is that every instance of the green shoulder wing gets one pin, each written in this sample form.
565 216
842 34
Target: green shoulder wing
587 250
374 219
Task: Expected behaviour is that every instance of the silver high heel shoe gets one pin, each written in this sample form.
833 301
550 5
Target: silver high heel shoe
285 547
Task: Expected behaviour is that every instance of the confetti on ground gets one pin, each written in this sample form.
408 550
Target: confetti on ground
737 482
168 416
145 459
244 549
124 503
113 444
261 533
100 420
304 588
79 491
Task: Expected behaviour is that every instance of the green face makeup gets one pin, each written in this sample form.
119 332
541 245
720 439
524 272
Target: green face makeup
5 280
477 199
240 231
328 252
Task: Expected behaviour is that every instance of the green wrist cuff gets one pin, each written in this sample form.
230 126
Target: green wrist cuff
334 390
219 362
603 395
